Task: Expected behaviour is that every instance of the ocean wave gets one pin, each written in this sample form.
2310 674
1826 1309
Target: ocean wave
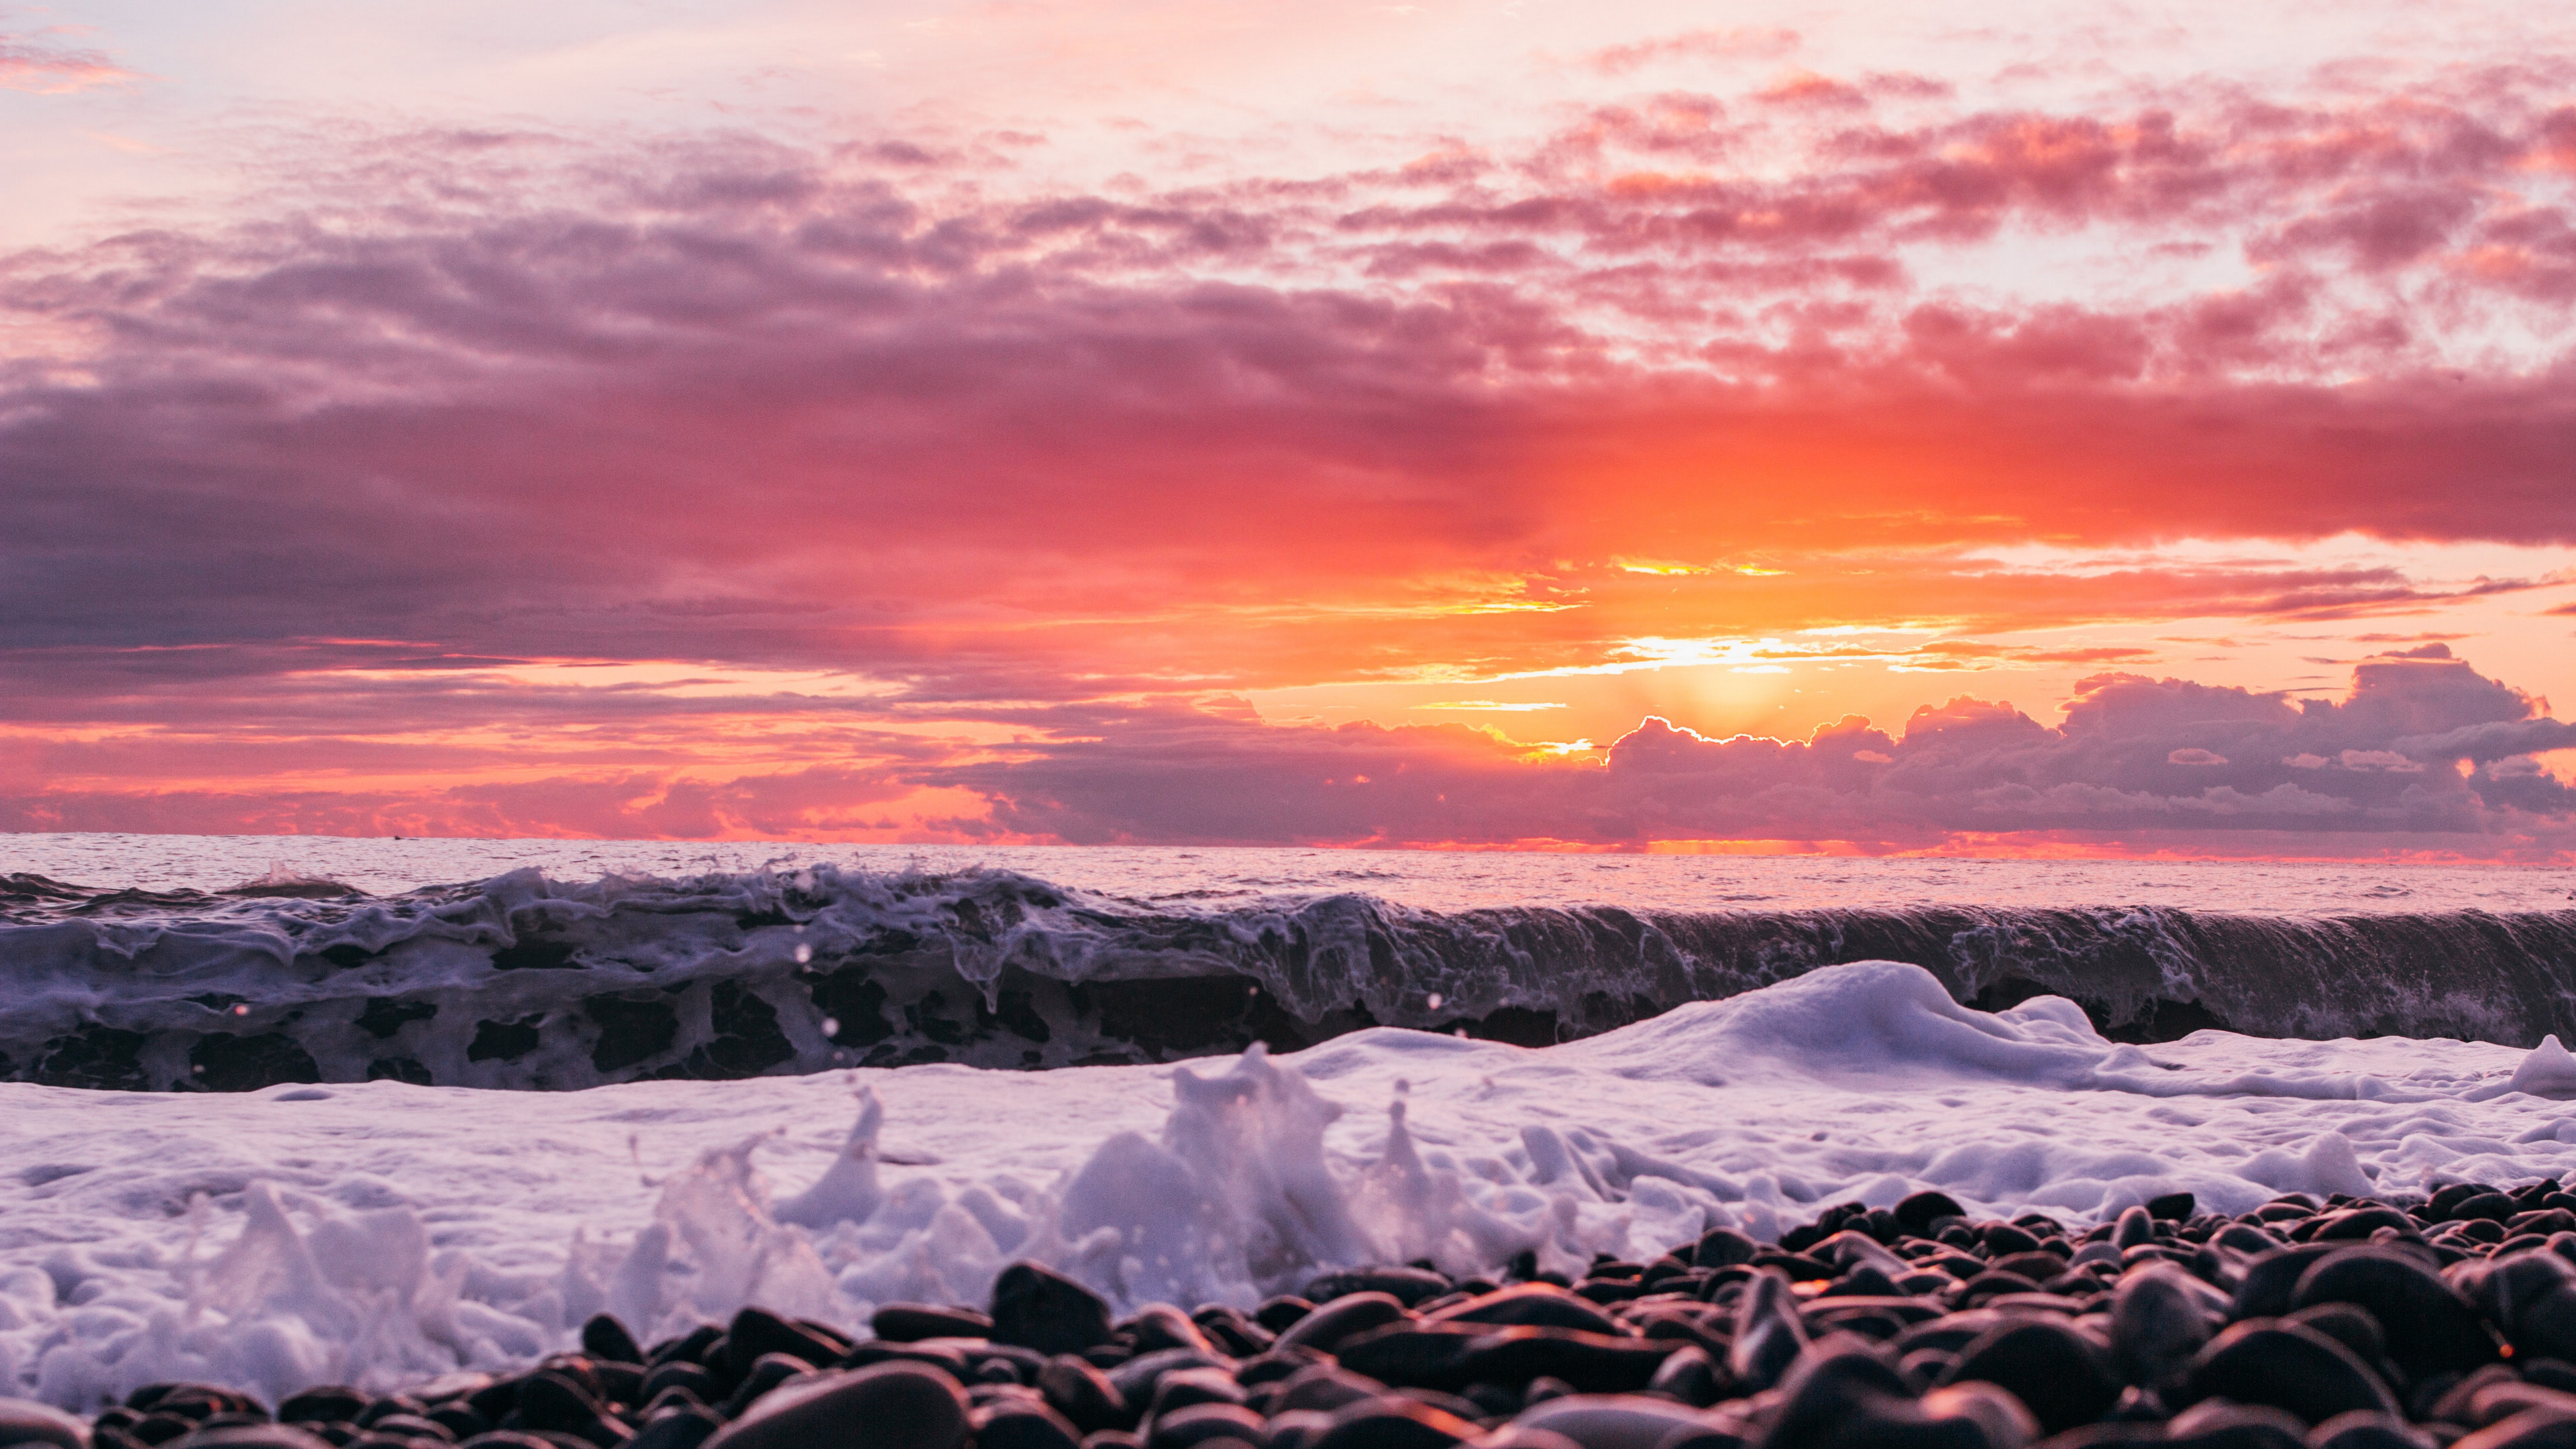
520 981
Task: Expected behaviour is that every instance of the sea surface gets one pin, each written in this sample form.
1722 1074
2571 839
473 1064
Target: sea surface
1424 879
233 963
266 1131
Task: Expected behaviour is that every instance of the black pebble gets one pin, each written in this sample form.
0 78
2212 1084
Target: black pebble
1393 1423
913 1322
2173 1207
2288 1366
1344 1317
1023 1426
886 1406
2429 1328
326 1404
2055 1371
1768 1333
605 1338
1046 1311
756 1333
1916 1214
1083 1395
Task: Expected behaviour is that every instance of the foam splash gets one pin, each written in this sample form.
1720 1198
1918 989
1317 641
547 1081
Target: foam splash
1259 1177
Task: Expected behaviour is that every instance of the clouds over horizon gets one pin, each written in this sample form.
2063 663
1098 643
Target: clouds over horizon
491 479
2423 757
2423 749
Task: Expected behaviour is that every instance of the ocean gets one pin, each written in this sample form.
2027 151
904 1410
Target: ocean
262 1130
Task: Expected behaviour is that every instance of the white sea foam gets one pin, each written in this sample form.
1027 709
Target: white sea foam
384 1232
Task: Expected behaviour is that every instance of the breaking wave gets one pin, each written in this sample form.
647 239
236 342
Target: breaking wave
524 982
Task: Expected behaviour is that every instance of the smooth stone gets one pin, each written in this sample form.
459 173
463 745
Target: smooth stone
1610 1421
2272 1277
1541 1305
2363 1429
756 1333
684 1428
1160 1326
2057 1373
1518 1435
1769 1335
2237 1426
1296 1429
1275 1314
1023 1426
2531 1296
1036 1308
1200 1423
771 1371
2005 1420
1393 1423
1592 1363
1083 1394
2530 1429
2429 1328
1324 1388
191 1401
1233 1333
2134 1227
1184 1387
251 1436
1275 1365
1690 1376
1841 1378
548 1400
1345 1317
324 1404
680 1374
2350 1325
2502 1398
894 1405
2158 1322
945 1357
1723 1248
2288 1366
24 1421
1135 1379
604 1337
1917 1213
913 1322
2172 1207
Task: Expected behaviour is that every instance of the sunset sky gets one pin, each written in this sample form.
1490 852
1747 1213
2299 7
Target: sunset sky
1458 422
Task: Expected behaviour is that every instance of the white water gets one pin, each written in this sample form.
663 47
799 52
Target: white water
383 1232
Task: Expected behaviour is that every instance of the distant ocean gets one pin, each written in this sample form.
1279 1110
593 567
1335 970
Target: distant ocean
232 963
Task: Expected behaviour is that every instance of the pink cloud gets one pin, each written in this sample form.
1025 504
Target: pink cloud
40 63
1695 45
328 476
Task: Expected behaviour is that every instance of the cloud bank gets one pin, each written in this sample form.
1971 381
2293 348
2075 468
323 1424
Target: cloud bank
2422 750
702 484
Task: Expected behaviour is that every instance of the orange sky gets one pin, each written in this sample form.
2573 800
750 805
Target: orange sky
1343 424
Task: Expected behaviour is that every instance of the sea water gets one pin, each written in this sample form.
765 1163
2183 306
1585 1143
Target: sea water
324 1226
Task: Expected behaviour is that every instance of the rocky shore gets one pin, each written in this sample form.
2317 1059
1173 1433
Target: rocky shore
2339 1323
